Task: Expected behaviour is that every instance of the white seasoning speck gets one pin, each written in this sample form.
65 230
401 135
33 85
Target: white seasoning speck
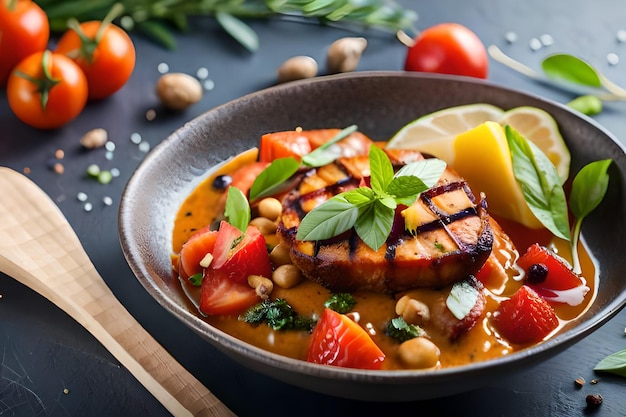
81 196
163 68
135 138
115 172
107 200
621 35
535 44
109 146
150 115
612 58
510 37
202 73
109 155
88 207
546 39
209 85
144 146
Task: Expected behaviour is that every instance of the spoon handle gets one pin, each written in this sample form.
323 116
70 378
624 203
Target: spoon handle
39 248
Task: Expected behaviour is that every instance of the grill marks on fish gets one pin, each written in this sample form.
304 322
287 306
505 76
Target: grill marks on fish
451 238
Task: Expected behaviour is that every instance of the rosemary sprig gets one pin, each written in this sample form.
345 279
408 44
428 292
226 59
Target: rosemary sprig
157 18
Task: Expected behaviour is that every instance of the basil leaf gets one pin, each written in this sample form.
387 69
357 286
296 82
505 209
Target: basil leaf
540 182
270 179
374 223
324 154
406 189
587 104
570 68
329 219
360 196
615 363
428 170
462 299
237 209
589 188
381 170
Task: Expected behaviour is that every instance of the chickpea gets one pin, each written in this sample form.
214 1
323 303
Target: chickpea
419 353
262 286
344 54
287 276
266 226
412 311
280 255
270 208
177 91
297 68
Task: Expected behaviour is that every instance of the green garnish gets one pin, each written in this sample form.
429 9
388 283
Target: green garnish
271 178
196 279
588 190
540 182
277 314
371 210
237 210
341 302
462 299
400 330
323 155
615 363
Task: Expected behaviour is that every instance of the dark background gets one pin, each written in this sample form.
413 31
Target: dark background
43 351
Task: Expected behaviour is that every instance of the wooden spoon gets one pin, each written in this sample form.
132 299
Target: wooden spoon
39 248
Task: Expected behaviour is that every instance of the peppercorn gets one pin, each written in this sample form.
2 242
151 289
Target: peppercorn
537 273
593 400
222 181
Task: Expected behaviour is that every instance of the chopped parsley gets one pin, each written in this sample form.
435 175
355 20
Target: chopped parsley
341 302
196 279
277 314
402 331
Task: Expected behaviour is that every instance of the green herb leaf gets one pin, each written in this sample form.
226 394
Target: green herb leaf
427 170
278 315
406 189
589 188
540 182
400 330
570 68
272 177
587 104
462 299
238 30
237 209
325 154
381 170
341 302
615 363
329 219
374 223
196 279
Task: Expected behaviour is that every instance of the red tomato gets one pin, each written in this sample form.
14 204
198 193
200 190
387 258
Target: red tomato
24 30
194 250
106 56
243 177
525 318
560 276
339 341
448 48
225 288
47 90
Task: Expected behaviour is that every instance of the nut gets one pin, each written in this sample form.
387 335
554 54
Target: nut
95 138
177 91
297 68
344 54
262 286
412 310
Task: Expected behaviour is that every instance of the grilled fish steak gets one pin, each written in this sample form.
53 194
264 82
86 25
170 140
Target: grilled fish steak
451 240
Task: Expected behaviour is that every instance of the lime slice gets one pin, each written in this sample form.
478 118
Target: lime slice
539 127
434 132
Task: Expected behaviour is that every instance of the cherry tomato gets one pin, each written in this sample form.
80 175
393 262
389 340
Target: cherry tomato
448 48
104 52
47 90
24 30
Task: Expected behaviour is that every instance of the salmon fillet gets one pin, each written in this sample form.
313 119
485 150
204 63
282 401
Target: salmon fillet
452 238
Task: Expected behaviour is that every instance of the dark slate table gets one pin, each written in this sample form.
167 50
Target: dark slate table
50 366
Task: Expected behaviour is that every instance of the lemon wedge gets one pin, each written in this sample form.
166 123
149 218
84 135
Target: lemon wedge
482 156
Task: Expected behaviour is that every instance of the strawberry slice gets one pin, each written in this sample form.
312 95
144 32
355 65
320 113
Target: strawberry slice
525 318
339 341
551 276
194 250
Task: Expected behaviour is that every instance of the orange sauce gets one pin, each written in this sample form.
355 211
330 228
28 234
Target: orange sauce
205 205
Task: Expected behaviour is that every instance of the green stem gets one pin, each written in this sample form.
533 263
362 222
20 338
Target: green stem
45 84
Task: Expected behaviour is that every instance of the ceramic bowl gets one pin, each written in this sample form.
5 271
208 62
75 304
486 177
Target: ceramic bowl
380 103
